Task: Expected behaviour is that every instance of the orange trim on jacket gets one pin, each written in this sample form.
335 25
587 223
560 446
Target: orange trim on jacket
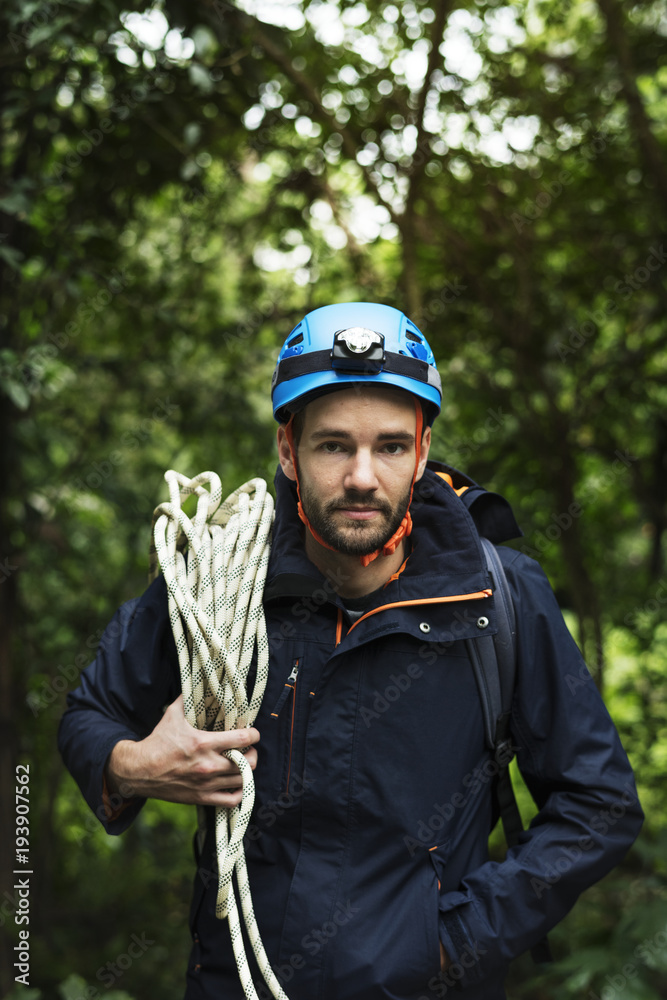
339 626
448 479
478 595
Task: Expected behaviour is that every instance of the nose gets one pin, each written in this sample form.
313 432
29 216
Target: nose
360 474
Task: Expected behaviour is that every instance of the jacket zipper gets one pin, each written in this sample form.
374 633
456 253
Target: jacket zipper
290 686
295 671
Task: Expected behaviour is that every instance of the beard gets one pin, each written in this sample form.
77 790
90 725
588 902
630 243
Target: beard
357 538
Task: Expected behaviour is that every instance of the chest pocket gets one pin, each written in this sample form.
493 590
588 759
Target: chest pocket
284 719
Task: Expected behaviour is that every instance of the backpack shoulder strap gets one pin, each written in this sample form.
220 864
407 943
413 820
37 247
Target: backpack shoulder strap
494 663
494 657
504 641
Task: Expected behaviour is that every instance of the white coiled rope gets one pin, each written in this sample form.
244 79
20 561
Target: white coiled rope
217 618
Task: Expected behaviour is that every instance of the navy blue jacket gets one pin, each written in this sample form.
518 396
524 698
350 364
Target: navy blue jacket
368 842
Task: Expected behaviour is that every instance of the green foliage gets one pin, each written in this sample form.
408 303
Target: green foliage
173 201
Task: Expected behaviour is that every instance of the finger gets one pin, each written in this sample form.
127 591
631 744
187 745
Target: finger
233 739
251 757
230 777
238 756
223 763
222 784
228 798
224 773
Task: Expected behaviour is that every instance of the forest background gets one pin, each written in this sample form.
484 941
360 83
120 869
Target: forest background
179 185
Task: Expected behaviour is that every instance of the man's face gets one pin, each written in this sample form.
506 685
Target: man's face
356 459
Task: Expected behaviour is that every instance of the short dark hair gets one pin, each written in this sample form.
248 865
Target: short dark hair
297 426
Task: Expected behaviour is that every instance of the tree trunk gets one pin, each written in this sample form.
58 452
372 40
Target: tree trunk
649 147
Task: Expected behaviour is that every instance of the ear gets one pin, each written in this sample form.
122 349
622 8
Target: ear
423 455
285 455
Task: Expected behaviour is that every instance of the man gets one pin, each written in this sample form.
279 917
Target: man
367 851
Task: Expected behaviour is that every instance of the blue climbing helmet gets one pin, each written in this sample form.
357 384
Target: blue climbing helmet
354 342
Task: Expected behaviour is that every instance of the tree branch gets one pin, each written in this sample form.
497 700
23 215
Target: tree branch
416 173
301 81
652 154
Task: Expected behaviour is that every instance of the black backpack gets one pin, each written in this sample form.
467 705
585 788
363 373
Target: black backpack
493 661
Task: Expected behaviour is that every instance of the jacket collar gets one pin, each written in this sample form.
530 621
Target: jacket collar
491 512
446 557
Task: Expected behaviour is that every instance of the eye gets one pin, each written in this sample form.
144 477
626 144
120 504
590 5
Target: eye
394 448
331 447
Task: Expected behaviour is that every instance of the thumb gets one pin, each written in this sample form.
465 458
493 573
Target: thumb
177 707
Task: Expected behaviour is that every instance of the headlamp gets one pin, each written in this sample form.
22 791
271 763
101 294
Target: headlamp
358 349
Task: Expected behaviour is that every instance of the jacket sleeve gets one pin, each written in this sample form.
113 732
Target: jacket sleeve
571 758
121 696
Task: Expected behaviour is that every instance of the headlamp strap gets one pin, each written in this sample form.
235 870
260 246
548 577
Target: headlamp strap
322 361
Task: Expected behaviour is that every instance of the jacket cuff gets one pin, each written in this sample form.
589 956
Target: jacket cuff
465 946
114 811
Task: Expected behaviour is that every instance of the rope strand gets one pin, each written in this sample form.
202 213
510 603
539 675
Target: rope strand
217 618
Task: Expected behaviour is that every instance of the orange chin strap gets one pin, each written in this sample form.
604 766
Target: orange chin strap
404 528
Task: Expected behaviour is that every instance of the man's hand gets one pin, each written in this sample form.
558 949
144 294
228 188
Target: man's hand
444 960
181 764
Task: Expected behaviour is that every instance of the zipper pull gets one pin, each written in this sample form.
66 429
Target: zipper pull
287 689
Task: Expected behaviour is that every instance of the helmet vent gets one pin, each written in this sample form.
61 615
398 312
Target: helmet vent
296 340
413 336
